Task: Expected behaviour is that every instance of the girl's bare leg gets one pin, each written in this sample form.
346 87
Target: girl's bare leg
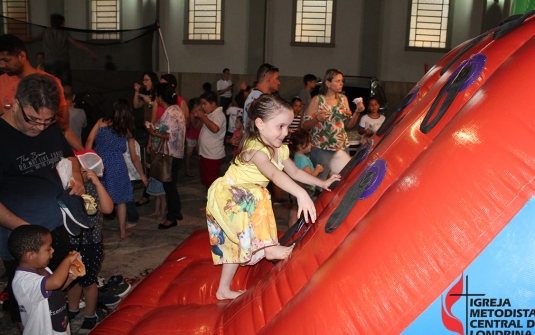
227 273
157 204
163 206
121 216
189 153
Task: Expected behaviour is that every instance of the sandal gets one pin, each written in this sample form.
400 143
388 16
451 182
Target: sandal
139 203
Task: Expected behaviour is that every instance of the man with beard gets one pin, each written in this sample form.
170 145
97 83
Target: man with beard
15 65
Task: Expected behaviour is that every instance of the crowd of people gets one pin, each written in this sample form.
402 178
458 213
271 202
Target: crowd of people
286 144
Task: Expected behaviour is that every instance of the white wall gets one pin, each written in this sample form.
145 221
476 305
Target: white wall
204 58
394 62
408 66
297 60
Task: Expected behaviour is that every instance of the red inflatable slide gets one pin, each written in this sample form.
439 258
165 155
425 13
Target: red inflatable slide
417 209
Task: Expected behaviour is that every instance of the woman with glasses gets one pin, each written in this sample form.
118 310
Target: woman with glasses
326 118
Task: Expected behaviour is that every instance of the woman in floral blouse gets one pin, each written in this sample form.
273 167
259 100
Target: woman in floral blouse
173 122
327 116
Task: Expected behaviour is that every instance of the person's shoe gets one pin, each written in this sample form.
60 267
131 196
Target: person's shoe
179 217
161 226
120 290
139 203
74 208
90 204
109 300
102 312
72 314
101 282
88 324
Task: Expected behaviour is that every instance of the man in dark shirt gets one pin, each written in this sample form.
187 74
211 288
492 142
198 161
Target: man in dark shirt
31 144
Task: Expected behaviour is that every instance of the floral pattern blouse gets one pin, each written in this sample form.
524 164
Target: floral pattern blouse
174 121
330 134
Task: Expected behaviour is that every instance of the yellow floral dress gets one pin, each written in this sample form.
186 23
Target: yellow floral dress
240 219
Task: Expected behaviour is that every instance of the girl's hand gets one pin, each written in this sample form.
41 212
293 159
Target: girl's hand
145 180
137 87
306 206
146 98
91 176
319 168
326 183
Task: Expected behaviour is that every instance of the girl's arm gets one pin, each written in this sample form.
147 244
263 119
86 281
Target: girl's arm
363 130
311 110
105 205
92 134
136 160
350 123
281 179
154 113
300 175
317 170
184 107
137 102
194 121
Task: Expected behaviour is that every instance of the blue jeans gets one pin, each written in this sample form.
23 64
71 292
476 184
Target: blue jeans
131 211
323 157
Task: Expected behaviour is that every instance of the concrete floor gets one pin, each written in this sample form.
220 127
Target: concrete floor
148 246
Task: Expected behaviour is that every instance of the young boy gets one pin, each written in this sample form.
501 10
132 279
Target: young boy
211 138
38 290
310 82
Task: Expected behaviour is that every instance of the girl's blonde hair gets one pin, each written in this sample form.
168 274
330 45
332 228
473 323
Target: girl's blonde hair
265 107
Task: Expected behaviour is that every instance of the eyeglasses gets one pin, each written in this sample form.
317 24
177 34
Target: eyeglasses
34 122
270 68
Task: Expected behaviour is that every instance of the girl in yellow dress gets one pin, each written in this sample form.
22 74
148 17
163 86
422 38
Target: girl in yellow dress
240 219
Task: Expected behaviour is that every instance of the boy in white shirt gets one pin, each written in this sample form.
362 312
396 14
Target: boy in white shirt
211 138
38 291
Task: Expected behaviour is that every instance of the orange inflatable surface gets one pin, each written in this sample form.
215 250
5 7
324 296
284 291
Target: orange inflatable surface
450 168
